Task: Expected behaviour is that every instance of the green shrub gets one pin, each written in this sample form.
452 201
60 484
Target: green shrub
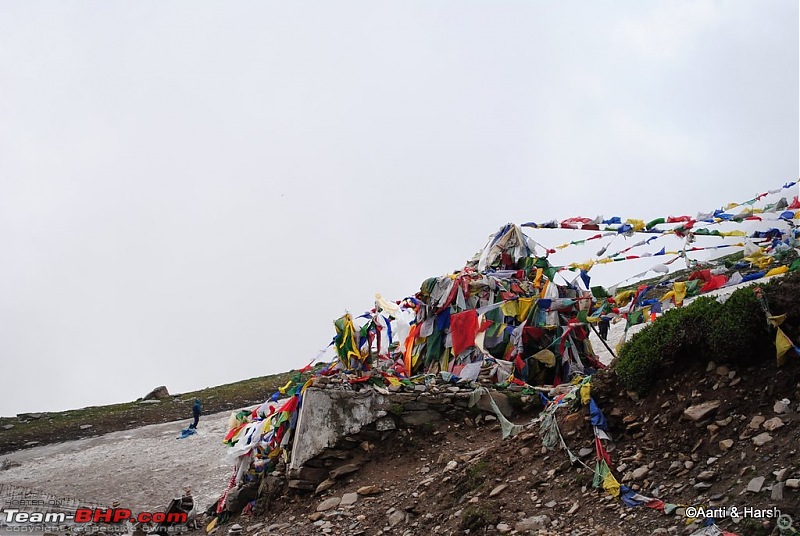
731 332
739 334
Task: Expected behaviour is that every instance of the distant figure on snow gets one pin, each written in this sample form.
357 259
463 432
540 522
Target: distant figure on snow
196 410
604 322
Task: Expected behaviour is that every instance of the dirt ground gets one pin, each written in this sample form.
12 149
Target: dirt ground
463 476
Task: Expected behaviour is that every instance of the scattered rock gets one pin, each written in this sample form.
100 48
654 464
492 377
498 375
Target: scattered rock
793 483
706 475
777 491
755 422
773 424
498 490
781 475
640 473
348 499
8 426
325 485
532 523
700 411
755 484
85 426
725 444
575 506
724 422
503 528
328 504
369 490
344 470
396 517
762 439
781 406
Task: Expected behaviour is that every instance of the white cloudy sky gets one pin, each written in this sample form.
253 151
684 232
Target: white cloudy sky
190 192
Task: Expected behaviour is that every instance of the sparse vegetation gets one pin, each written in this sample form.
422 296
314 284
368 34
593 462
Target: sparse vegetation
476 517
66 425
733 332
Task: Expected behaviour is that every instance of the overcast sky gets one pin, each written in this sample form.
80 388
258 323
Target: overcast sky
191 192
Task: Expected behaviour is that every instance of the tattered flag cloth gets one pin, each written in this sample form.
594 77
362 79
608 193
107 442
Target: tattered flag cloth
464 327
345 341
598 419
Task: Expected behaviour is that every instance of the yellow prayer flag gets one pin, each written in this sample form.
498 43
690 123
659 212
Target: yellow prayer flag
523 308
538 279
778 270
680 292
611 485
637 225
392 380
782 345
285 387
624 297
776 320
510 308
586 390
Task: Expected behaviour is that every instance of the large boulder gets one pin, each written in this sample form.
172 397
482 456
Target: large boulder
159 393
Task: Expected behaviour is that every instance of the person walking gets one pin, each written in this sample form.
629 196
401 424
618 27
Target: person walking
604 323
196 411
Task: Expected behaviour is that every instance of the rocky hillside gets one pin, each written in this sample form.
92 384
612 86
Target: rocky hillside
707 434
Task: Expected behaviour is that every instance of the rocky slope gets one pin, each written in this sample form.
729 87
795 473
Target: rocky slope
709 435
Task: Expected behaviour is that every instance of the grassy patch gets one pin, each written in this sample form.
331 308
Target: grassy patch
477 517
